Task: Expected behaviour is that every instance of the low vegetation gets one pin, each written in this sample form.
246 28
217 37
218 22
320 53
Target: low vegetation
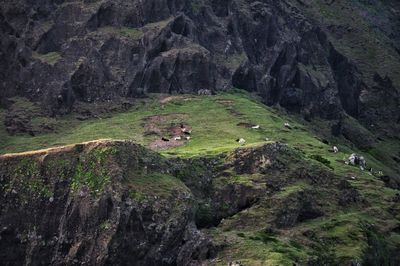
131 33
49 58
92 172
216 123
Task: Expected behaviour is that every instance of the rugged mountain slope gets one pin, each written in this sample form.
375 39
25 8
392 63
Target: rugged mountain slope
73 71
266 203
116 203
302 55
95 203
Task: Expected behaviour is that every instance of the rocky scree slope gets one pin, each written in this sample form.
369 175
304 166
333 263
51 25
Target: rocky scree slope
116 203
294 53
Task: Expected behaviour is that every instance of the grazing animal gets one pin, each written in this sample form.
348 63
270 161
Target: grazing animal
185 130
165 139
178 138
287 125
255 127
335 149
241 141
187 138
352 159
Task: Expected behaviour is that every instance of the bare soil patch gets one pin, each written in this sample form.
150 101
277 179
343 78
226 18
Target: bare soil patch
159 144
167 127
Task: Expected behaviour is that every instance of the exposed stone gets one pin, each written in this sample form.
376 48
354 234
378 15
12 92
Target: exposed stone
97 220
121 48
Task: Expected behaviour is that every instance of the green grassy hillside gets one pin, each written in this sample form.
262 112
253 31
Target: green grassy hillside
216 123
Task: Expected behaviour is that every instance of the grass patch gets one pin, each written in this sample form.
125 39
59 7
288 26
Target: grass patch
322 160
27 182
92 171
214 121
294 188
49 58
259 248
137 196
131 33
246 180
195 6
154 184
106 225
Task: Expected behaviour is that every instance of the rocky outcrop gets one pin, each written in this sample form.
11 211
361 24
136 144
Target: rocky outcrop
300 207
61 53
92 204
117 203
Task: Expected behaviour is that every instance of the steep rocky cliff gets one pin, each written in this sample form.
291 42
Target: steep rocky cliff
306 56
116 203
293 78
96 203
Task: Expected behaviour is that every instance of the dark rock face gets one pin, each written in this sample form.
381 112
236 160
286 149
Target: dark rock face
349 195
77 206
252 177
117 203
299 208
91 203
261 160
62 53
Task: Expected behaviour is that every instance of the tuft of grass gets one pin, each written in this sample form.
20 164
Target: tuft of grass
131 33
137 196
49 58
195 6
106 225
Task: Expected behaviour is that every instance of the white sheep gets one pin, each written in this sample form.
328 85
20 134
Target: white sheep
241 141
335 149
287 125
